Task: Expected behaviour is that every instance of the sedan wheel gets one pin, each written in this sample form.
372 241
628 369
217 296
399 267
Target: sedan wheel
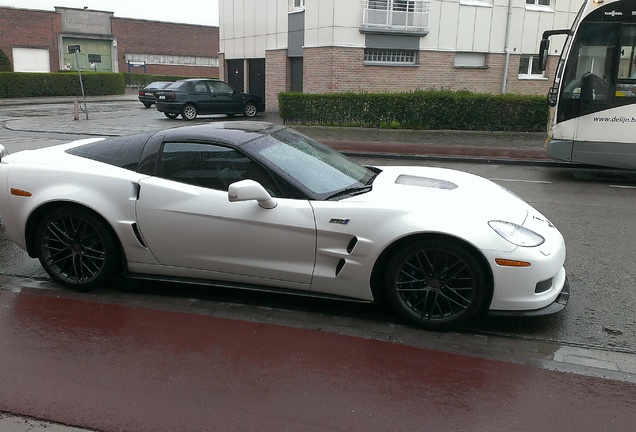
171 115
435 284
189 112
147 104
250 109
76 249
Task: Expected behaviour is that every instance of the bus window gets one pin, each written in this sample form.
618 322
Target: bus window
590 74
626 83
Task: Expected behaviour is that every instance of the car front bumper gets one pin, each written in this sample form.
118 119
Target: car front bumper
555 307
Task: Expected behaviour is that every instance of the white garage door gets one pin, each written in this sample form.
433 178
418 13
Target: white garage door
31 60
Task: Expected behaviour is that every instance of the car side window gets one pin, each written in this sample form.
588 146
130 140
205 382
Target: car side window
211 166
220 87
200 88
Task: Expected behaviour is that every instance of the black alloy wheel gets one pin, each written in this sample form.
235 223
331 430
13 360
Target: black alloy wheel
76 249
435 283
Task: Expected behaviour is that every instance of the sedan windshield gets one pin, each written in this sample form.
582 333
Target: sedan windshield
316 169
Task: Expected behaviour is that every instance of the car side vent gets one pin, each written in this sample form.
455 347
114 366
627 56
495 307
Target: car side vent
543 286
138 235
352 244
425 182
340 265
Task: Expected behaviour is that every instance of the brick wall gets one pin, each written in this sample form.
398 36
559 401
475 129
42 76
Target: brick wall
30 29
27 28
150 37
337 69
276 77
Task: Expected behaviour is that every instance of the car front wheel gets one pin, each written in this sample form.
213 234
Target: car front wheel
189 112
250 109
76 248
435 283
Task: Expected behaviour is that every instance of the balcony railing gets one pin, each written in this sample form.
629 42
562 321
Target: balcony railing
395 16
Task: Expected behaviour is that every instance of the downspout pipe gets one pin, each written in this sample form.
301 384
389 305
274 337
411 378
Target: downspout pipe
507 49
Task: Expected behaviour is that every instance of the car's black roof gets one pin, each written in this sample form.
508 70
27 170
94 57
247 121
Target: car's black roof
126 151
233 132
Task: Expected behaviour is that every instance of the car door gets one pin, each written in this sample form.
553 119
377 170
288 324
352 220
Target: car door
187 221
202 97
224 99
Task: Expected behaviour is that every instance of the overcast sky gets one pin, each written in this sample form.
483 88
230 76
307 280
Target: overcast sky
203 12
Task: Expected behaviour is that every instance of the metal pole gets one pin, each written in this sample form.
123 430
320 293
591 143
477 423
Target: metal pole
507 49
79 72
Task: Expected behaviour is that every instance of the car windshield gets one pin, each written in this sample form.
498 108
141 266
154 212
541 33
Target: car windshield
321 172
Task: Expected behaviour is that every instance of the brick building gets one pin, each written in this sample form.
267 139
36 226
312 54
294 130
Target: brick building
319 46
38 41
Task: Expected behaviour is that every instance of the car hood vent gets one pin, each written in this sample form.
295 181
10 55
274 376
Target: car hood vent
411 180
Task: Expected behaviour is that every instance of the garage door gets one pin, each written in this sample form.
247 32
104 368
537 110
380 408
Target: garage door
31 60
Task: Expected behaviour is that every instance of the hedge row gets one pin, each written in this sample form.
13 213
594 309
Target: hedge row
19 84
430 109
22 84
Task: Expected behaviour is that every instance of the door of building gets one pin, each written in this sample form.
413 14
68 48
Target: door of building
235 74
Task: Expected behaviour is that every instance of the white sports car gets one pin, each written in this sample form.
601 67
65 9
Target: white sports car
258 206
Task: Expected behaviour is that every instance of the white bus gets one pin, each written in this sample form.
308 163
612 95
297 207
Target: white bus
593 98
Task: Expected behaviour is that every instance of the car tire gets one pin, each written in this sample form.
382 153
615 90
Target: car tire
435 283
76 248
189 112
250 109
147 104
171 115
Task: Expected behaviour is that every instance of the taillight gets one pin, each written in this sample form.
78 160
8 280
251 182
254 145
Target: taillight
141 93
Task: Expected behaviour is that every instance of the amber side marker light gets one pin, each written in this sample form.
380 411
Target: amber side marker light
511 263
20 192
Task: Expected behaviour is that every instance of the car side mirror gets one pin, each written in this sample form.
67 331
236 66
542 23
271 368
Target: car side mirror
543 53
248 190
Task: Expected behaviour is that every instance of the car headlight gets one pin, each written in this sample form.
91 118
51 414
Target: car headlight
516 234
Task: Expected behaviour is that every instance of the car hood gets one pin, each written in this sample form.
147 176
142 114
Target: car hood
442 191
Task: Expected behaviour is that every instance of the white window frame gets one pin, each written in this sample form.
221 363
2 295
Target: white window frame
532 58
535 5
296 5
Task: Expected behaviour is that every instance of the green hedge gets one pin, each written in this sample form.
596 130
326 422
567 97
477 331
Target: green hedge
66 83
430 109
21 84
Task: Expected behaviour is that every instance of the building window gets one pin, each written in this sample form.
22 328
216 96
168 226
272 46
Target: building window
297 4
529 66
402 15
470 60
538 2
389 56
